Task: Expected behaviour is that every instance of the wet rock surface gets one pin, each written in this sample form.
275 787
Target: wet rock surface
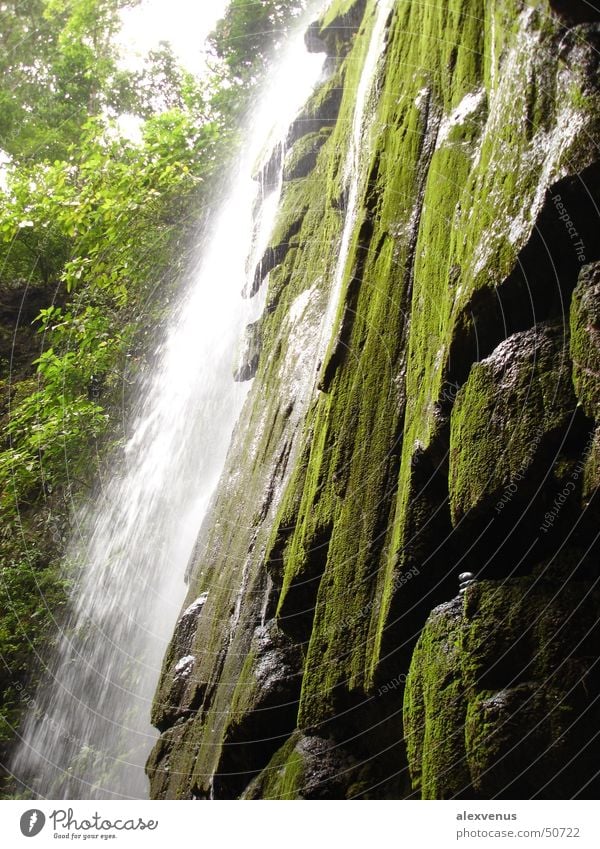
502 692
250 354
306 768
441 421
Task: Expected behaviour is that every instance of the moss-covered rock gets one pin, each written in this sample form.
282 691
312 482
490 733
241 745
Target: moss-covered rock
303 156
502 692
435 708
510 416
406 373
585 339
306 767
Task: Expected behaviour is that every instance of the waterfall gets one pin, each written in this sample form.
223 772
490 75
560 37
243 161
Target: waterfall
356 153
88 734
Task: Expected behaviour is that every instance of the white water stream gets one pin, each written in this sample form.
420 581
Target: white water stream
357 151
89 733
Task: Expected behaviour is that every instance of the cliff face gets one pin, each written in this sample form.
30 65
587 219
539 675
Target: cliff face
427 409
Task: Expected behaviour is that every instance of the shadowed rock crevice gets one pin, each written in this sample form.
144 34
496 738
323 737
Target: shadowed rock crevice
545 274
518 436
264 710
297 606
340 344
426 572
575 11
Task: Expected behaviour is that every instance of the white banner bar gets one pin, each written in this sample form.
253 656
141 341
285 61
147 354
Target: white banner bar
298 825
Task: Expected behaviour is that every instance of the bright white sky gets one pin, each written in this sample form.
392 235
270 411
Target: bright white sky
184 23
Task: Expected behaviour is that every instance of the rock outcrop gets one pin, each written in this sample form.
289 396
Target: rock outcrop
430 408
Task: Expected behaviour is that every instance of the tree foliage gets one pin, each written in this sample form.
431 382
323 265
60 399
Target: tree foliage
249 32
58 67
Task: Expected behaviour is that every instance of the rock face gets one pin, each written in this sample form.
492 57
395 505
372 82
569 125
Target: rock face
504 691
427 410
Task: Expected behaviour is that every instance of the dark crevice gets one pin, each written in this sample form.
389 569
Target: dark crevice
277 475
249 747
370 730
252 739
336 38
296 613
540 286
213 685
508 533
274 256
426 571
576 11
365 252
342 338
373 194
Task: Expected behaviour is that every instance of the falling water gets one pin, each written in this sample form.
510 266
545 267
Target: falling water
90 734
357 150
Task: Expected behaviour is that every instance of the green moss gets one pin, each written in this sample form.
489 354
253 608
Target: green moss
504 414
283 777
245 693
493 688
330 477
435 709
585 338
303 156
